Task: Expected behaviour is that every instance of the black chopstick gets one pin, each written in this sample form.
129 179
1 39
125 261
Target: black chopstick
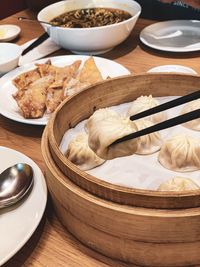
173 103
37 42
161 126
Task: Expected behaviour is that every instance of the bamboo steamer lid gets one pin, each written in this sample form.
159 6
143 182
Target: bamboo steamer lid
109 93
142 236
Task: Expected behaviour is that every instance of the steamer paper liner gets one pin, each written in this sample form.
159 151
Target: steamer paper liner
137 171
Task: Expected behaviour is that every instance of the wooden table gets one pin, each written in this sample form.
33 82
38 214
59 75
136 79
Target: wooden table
51 244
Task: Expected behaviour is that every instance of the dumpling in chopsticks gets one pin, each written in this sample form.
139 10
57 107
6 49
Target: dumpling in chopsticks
81 155
100 115
103 132
149 143
180 153
178 184
194 105
143 103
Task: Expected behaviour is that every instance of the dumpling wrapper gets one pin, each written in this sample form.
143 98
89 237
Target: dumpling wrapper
143 103
103 132
191 106
178 184
180 153
81 155
149 143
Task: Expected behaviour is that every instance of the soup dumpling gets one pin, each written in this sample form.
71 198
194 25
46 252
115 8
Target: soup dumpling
180 153
178 184
81 155
103 132
194 105
143 103
100 115
149 143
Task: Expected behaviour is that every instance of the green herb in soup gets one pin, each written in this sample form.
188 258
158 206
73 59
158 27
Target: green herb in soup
90 17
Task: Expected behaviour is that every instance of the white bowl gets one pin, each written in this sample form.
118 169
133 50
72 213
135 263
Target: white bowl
9 56
95 40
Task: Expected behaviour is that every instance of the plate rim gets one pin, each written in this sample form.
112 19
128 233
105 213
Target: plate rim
166 48
42 208
189 69
29 65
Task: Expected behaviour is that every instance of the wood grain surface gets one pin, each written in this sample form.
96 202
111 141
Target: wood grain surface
51 245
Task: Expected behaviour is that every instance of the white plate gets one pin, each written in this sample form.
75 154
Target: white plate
9 32
172 68
8 106
18 222
174 35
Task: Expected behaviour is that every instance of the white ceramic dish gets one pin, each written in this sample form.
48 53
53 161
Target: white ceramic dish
95 40
172 68
9 57
173 36
9 32
19 222
8 106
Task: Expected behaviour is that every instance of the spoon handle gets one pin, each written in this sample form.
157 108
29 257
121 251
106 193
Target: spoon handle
34 20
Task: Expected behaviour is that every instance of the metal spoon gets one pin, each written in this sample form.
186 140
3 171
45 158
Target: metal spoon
34 20
15 182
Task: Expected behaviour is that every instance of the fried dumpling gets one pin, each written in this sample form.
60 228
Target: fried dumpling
88 75
149 143
23 80
194 124
81 155
65 73
143 103
103 132
55 92
46 69
180 153
32 101
178 184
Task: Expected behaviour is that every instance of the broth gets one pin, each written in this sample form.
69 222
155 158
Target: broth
90 17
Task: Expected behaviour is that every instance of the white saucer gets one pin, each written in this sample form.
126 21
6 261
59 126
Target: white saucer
9 32
18 222
173 35
172 68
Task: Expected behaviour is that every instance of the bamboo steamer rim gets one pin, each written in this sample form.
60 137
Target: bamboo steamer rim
66 182
54 147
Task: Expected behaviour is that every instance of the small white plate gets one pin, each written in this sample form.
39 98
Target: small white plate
173 35
18 222
9 32
9 107
172 68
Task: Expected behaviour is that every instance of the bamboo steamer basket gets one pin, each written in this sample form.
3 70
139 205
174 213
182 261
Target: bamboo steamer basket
141 236
109 93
